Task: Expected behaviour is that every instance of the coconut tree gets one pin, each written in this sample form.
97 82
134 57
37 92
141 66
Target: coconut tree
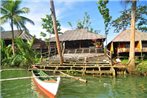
131 65
11 12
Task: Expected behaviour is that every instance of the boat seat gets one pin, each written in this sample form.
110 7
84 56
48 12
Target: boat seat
45 76
51 81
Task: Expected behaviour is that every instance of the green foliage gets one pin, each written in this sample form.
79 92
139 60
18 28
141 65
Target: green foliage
6 51
142 67
70 24
11 12
24 56
102 7
85 23
48 25
123 21
43 34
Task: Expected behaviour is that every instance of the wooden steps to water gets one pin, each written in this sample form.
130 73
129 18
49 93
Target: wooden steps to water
83 68
83 63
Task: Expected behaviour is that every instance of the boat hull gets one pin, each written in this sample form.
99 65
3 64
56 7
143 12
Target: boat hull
48 88
46 92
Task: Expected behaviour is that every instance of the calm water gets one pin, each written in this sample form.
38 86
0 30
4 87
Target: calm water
106 87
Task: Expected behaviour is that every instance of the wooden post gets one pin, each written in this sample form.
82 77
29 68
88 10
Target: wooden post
56 32
113 71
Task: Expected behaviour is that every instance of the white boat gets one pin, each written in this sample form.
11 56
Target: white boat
47 85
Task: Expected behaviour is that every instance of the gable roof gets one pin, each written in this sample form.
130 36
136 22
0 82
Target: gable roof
78 34
38 43
124 36
7 35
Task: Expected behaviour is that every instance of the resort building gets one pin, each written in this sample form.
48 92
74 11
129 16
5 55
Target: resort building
120 45
38 43
80 41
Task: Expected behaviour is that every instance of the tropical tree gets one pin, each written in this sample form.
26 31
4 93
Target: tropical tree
84 23
11 12
104 11
48 26
123 21
56 31
25 56
131 63
131 66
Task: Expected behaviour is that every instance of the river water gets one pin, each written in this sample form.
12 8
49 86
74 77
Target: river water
97 87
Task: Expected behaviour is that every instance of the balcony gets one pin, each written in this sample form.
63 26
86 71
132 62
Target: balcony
120 50
144 49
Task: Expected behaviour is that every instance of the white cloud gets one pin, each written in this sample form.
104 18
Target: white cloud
38 10
63 29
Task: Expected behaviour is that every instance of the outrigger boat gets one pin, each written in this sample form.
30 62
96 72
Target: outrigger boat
47 84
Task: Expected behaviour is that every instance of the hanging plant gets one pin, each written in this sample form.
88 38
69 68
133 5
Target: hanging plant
97 44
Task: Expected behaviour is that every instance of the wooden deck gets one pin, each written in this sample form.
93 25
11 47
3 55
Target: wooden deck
82 63
84 69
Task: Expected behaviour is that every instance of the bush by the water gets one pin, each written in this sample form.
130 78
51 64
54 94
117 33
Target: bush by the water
142 67
24 55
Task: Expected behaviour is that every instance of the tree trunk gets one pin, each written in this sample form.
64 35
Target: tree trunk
131 66
13 46
56 32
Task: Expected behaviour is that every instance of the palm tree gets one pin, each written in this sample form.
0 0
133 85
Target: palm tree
132 38
11 12
131 65
56 31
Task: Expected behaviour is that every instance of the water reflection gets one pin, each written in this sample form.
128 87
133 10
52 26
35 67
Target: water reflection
37 91
120 87
97 87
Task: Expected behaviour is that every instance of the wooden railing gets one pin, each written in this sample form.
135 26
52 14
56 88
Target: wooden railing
49 54
127 50
84 50
144 49
108 53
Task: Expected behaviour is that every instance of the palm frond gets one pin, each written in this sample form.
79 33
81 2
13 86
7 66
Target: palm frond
17 4
4 19
24 19
3 10
23 10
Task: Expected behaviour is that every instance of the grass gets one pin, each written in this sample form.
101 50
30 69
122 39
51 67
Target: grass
141 65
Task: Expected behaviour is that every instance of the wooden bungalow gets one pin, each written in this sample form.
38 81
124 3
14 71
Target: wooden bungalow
80 40
120 45
38 43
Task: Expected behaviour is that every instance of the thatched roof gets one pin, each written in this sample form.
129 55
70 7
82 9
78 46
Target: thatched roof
38 43
125 36
7 35
78 34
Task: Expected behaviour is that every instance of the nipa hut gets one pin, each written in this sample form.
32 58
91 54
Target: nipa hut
80 39
7 37
120 45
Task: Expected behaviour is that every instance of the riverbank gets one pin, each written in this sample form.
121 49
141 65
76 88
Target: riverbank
141 66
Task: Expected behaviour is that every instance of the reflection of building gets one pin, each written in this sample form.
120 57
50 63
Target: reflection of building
79 39
7 37
121 43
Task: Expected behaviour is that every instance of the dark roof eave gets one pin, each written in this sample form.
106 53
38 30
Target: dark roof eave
76 40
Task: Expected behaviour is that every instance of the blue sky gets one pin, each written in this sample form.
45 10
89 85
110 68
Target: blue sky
70 11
